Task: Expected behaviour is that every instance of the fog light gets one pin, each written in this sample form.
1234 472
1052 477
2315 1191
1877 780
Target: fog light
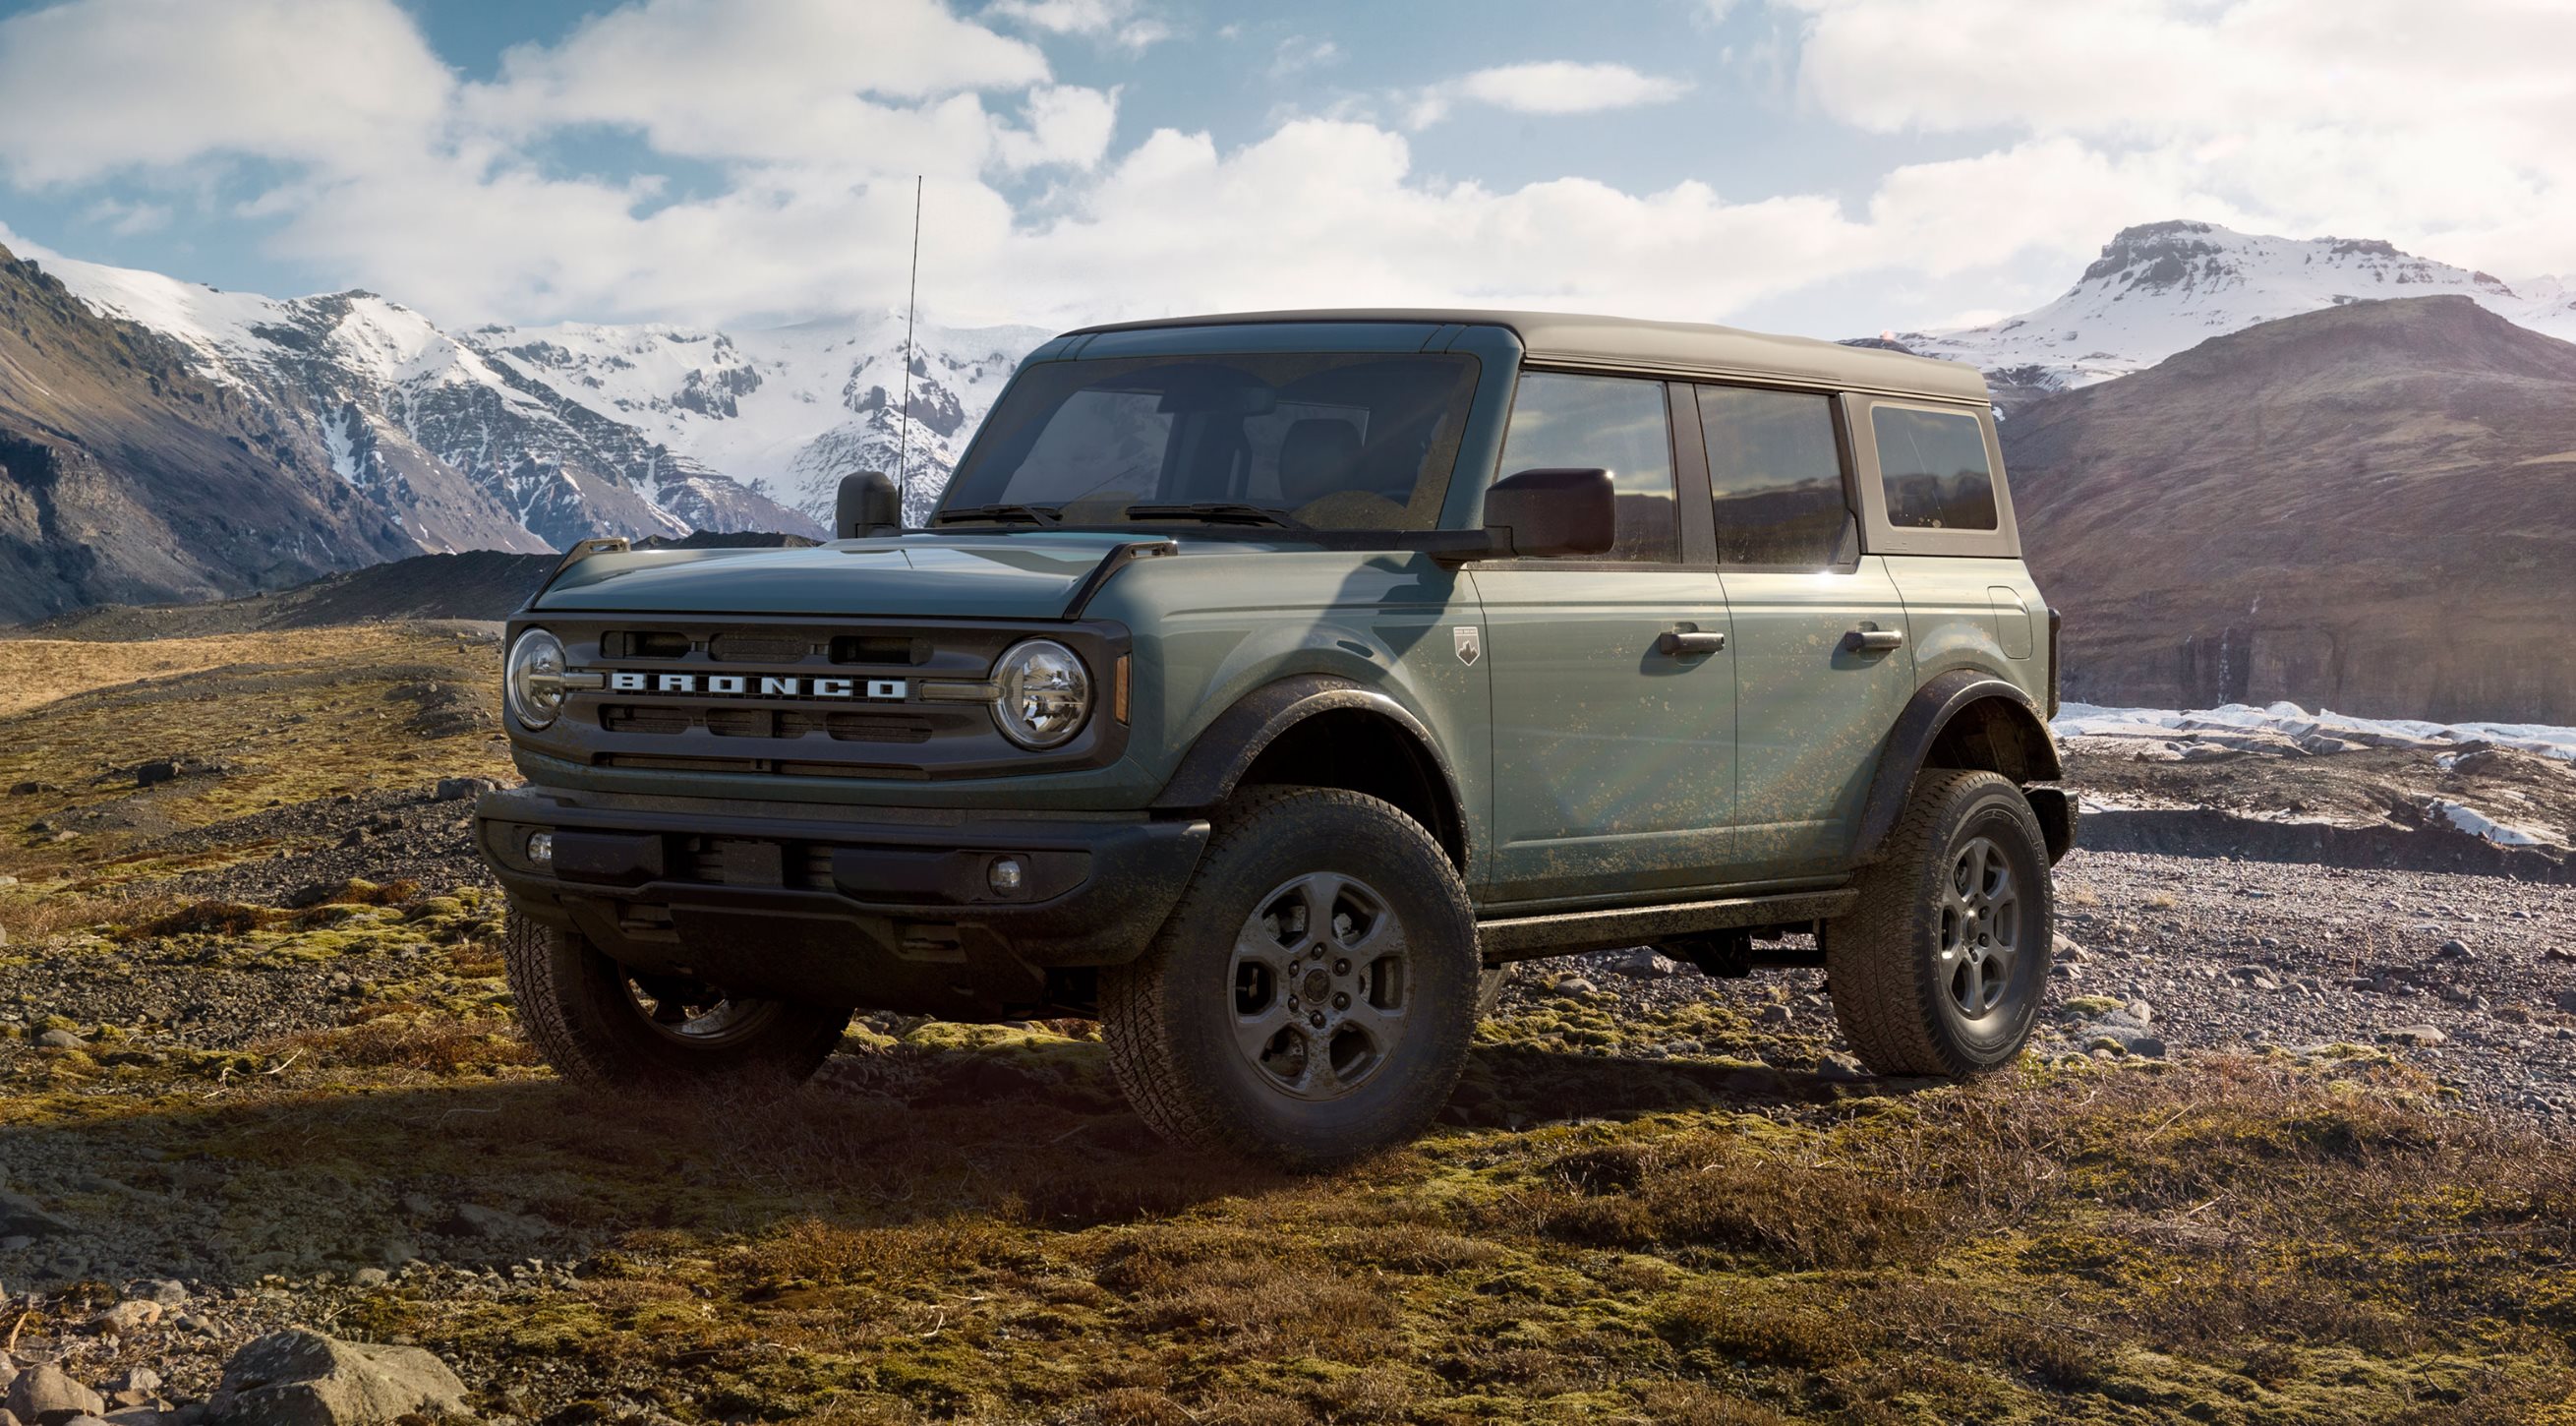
541 848
1006 876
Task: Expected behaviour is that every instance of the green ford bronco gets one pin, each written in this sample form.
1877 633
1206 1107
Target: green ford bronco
1264 684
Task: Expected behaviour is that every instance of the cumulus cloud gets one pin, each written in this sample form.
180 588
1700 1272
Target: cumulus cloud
1548 87
2363 117
799 125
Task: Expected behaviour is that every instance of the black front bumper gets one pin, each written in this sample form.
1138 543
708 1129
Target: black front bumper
884 914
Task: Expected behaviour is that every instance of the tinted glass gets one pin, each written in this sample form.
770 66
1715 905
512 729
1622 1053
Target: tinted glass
1615 423
1933 464
1336 441
1777 476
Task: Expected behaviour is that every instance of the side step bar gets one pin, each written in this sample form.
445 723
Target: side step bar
1523 938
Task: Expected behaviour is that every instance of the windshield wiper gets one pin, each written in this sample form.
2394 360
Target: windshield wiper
1001 514
1215 512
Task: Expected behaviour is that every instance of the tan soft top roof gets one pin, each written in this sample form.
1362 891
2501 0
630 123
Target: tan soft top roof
1574 339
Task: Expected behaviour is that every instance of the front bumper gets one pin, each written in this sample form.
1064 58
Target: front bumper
884 913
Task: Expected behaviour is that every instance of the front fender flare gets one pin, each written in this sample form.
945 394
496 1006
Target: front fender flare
1918 729
1227 749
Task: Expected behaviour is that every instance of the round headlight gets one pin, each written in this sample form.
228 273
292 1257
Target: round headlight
1044 693
534 687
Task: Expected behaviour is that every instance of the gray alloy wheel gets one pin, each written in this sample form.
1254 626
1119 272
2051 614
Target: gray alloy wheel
696 1014
1318 986
1981 927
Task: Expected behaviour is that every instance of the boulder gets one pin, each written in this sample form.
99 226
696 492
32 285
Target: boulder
2423 1037
19 1215
298 1377
127 1318
458 789
46 1395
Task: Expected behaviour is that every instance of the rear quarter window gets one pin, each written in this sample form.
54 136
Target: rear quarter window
1933 469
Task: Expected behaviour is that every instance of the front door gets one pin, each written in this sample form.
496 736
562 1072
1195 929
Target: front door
1614 746
1821 660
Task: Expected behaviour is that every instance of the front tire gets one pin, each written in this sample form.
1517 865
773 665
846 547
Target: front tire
607 1027
1941 966
1312 997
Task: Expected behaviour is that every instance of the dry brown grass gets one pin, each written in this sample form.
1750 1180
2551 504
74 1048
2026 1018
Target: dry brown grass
34 672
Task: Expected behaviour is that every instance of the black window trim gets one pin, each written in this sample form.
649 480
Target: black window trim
1844 452
1683 544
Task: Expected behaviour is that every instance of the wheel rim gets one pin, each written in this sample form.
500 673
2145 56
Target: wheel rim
695 1014
1981 928
1319 986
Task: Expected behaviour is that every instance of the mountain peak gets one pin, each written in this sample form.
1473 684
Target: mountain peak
2160 288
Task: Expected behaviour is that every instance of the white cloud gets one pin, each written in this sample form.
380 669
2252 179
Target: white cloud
1113 20
129 219
1547 87
2442 130
1297 54
2057 126
103 86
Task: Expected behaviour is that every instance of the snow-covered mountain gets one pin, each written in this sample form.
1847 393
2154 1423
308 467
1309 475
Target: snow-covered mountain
2161 288
528 438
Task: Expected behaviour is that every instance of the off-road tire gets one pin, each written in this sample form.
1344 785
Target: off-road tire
1167 1017
1892 995
573 1004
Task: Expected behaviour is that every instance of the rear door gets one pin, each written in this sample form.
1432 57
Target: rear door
1821 661
1614 747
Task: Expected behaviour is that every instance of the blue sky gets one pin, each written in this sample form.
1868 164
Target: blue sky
1825 166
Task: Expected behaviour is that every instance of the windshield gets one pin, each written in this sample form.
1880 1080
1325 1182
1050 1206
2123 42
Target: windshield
1339 441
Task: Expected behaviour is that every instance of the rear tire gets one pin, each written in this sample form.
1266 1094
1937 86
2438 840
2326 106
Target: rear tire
1941 966
1312 997
604 1026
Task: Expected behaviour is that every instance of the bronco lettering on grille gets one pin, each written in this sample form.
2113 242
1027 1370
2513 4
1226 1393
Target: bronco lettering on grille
735 685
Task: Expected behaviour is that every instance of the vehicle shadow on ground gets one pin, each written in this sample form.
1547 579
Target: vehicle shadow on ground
487 1173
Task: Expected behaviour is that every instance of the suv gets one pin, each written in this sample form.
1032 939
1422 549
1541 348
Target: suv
1263 685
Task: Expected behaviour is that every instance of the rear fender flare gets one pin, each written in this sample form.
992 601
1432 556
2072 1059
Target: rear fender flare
2032 756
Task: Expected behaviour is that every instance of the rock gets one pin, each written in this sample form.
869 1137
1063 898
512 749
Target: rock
458 789
1775 1016
1645 964
46 1395
19 1216
2263 982
370 1277
1574 985
2457 951
61 1040
2067 951
134 1386
1842 1069
140 1414
127 1318
169 1292
2140 1011
156 773
298 1377
2421 1036
2567 1001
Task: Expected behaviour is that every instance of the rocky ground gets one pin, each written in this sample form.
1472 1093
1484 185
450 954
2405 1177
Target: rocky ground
2291 1145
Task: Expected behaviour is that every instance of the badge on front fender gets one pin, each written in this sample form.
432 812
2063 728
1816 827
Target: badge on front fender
1470 645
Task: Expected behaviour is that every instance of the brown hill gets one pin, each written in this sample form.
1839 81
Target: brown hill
124 476
2370 508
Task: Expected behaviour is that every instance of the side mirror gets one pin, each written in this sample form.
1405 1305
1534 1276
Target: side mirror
1552 512
869 505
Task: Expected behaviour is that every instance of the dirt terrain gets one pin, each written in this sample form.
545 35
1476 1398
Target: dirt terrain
2292 1146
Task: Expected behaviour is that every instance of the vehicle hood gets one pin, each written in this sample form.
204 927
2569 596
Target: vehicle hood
1031 576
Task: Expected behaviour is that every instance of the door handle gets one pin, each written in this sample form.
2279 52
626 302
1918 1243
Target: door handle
1873 641
1681 643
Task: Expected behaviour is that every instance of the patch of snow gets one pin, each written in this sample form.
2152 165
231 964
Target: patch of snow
2478 824
2296 727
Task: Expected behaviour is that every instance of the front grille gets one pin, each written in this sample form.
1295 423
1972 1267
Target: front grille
758 648
671 721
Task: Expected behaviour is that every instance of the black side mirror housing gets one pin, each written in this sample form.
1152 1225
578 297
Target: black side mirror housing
1552 511
869 505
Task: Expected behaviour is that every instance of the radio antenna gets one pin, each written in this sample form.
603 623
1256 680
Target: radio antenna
911 300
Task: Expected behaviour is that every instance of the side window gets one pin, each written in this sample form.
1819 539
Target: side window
1613 422
1776 473
1933 466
